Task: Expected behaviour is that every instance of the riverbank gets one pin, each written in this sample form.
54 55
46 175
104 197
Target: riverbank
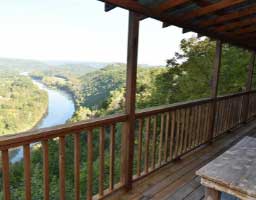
61 108
23 104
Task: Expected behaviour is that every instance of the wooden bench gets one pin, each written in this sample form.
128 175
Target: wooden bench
234 172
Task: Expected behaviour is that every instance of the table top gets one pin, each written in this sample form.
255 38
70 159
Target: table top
235 169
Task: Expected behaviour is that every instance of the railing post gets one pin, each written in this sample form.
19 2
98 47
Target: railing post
128 134
248 88
214 86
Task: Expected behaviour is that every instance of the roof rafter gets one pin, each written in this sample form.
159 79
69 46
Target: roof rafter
178 21
210 9
166 5
249 29
230 16
109 7
237 24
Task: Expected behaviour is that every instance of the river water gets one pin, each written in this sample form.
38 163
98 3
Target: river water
61 108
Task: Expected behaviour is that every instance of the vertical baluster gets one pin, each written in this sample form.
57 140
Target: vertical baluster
190 128
89 164
46 169
139 147
195 123
219 121
27 171
102 158
203 133
6 175
199 124
207 123
177 133
226 115
221 118
112 157
186 132
77 155
167 127
161 140
171 148
230 113
182 122
62 167
154 142
201 130
147 144
207 131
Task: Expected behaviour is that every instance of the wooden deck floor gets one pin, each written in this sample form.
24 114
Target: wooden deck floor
177 181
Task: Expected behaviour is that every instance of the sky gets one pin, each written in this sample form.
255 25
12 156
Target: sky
79 30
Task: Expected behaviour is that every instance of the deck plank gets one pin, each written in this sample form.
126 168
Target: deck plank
177 181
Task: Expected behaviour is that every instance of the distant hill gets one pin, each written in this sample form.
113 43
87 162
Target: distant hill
21 65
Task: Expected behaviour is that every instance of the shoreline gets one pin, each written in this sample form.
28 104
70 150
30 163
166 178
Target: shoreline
17 154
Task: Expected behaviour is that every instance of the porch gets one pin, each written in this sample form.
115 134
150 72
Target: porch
177 180
151 153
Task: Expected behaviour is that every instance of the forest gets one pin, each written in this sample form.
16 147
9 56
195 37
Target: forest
22 104
186 76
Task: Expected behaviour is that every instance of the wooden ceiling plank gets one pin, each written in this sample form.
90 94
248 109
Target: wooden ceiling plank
230 16
210 9
237 24
246 30
172 20
168 4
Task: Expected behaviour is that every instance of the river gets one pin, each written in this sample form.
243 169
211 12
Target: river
61 108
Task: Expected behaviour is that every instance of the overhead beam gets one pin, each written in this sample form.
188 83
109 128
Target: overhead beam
165 25
210 9
237 24
184 30
109 7
170 19
249 29
168 4
228 17
201 3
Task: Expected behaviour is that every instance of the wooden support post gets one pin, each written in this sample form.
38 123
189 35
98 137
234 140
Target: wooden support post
248 88
211 194
214 86
128 135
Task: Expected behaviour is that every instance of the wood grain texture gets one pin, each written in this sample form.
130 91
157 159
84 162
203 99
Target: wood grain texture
77 155
6 174
112 157
235 169
62 173
27 171
102 161
89 164
45 148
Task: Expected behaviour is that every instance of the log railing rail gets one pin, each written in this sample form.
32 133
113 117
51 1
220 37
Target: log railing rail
162 134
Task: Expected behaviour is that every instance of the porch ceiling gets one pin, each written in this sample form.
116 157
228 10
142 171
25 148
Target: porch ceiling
232 21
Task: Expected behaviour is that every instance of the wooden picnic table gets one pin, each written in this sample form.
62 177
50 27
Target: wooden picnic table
234 172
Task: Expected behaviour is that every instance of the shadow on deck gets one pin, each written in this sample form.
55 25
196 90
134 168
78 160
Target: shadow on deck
177 181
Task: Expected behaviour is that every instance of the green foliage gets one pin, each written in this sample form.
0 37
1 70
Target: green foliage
187 76
22 104
189 73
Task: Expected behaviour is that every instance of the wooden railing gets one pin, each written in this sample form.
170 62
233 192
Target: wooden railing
163 134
